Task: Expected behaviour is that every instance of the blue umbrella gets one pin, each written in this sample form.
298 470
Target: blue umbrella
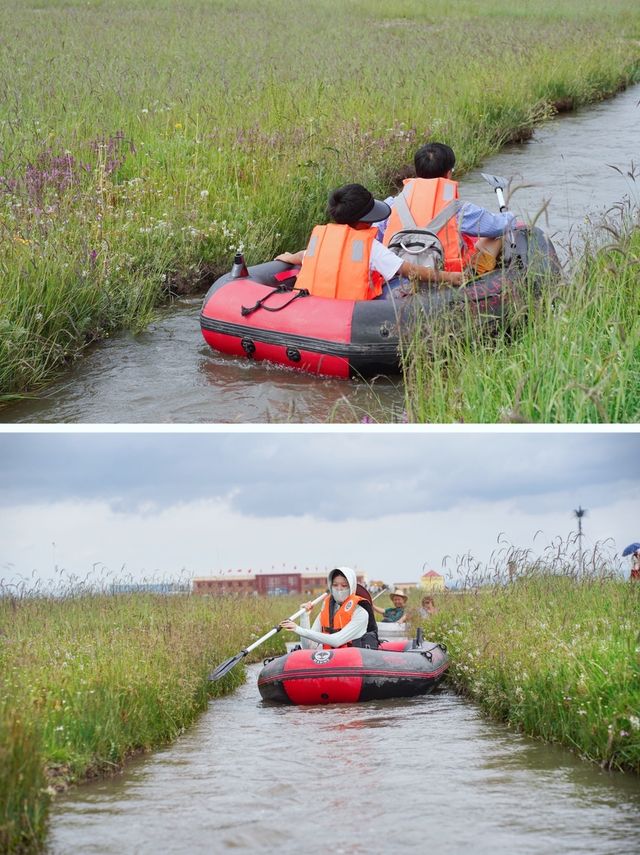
629 550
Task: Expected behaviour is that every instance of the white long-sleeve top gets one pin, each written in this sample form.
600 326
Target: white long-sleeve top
310 638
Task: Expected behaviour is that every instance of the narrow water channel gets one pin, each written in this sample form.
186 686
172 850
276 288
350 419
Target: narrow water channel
425 775
575 167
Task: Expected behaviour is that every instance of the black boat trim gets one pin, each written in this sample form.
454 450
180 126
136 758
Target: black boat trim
347 350
358 671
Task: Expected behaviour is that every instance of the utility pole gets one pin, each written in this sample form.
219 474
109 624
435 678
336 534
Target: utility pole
579 514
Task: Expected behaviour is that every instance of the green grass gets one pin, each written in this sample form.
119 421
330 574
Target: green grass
142 140
23 796
88 680
570 356
554 656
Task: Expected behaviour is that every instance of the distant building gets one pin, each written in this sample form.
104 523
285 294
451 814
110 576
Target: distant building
265 584
224 585
151 588
406 586
431 581
275 584
313 584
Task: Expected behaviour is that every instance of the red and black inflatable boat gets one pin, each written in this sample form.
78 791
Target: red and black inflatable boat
397 669
262 316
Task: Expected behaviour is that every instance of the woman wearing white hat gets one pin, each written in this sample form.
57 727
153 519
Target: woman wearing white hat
346 618
396 613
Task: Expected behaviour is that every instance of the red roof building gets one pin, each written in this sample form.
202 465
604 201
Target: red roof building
431 581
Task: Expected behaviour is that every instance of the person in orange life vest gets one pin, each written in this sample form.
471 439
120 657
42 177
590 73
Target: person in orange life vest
353 208
481 230
345 619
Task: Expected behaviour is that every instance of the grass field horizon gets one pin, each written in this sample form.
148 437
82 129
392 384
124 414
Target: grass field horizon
142 142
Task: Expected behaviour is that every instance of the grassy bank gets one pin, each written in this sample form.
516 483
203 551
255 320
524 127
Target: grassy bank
89 680
574 358
142 140
554 657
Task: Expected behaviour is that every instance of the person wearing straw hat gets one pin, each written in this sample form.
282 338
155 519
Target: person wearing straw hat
396 612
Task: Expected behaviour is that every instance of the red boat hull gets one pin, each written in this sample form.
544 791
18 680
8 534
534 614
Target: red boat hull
353 674
264 317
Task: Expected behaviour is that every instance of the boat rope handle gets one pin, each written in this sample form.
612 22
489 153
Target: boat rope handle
302 292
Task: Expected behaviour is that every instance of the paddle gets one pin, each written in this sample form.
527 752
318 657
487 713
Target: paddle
228 664
498 184
361 591
381 591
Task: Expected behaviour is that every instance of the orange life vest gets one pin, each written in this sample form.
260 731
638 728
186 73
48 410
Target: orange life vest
336 264
426 197
340 618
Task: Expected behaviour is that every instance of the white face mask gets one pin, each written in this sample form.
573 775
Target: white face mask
339 594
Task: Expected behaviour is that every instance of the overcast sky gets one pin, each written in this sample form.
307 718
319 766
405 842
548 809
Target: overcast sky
389 503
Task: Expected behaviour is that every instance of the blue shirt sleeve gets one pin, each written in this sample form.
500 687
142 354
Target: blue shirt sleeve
478 222
474 221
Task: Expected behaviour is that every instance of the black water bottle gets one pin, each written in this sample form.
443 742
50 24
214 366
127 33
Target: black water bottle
239 268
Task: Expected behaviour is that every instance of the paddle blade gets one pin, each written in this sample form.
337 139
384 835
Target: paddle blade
495 181
226 666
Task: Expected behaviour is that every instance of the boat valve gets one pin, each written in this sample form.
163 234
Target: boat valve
248 346
239 267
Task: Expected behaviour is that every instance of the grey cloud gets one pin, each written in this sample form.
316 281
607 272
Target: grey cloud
326 475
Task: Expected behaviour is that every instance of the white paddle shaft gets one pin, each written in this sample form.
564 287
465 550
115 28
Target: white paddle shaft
277 628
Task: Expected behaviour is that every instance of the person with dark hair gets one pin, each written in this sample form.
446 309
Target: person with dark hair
345 619
434 160
473 237
343 258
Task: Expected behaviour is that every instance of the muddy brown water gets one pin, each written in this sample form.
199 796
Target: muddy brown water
168 375
427 774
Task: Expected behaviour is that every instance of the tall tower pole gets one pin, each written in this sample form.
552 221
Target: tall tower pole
579 514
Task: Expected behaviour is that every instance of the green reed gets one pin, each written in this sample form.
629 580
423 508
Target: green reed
567 355
90 679
141 141
23 799
555 656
